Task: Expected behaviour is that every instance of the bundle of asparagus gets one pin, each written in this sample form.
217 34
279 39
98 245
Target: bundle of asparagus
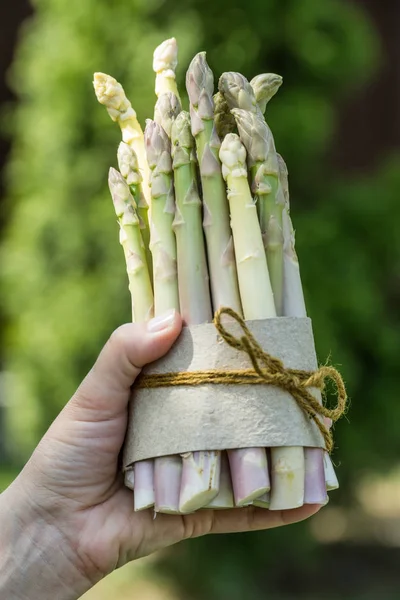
202 201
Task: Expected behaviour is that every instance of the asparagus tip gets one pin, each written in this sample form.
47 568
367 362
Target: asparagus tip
199 79
111 94
233 156
119 190
166 110
156 142
128 164
165 56
265 87
181 133
237 91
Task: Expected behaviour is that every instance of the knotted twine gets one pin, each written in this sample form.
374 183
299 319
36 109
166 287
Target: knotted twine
266 370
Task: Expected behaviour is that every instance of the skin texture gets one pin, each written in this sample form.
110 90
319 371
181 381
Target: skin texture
67 520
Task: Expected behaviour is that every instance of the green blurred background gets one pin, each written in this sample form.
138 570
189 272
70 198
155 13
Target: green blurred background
336 120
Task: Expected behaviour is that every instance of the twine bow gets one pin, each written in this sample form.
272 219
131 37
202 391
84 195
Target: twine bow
266 370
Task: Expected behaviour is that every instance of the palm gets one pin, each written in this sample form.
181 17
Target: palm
76 474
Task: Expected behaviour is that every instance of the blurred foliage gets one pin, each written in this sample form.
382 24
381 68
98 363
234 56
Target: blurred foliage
63 273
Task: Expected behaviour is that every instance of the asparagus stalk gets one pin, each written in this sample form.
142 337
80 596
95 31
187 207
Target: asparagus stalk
252 269
220 252
251 261
294 306
200 480
165 61
193 279
239 94
144 495
315 489
111 94
167 483
201 470
250 477
224 121
132 243
293 297
259 142
221 258
129 168
167 470
224 499
142 304
263 163
287 490
265 87
162 241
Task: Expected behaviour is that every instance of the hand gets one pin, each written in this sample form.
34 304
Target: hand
73 519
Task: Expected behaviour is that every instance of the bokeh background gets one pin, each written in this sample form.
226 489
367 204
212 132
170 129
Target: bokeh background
336 120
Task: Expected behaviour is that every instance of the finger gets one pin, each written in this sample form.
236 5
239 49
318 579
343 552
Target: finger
107 386
167 529
255 519
240 520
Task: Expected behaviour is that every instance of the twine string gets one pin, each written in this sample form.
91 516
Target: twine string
266 369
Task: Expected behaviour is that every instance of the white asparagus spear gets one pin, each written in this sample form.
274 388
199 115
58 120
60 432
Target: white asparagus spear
249 466
262 161
201 470
142 302
294 306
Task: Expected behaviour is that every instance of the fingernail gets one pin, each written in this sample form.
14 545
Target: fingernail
161 322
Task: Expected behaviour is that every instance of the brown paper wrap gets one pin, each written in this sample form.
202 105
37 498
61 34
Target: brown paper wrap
182 419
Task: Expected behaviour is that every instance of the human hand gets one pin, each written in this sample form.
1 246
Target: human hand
68 520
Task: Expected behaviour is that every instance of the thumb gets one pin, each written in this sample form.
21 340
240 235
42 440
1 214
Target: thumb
105 392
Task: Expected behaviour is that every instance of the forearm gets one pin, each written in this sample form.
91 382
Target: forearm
36 562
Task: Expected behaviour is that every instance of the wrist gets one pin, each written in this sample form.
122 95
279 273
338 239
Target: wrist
36 559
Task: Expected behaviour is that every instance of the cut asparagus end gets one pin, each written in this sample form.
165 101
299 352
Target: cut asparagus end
144 484
129 478
167 483
200 480
224 498
314 484
265 87
287 477
263 501
249 472
331 479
